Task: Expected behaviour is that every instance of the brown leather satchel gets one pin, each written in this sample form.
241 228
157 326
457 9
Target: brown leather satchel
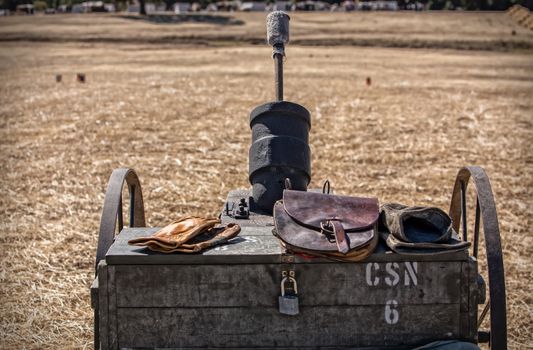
336 227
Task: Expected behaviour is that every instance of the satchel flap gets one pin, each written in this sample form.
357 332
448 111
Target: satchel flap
312 240
311 208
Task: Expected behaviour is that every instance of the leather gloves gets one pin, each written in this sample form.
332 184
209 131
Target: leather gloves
189 234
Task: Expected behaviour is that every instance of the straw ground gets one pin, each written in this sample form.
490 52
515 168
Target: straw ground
172 101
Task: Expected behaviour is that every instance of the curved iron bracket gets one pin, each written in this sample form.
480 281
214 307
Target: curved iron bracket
486 210
112 211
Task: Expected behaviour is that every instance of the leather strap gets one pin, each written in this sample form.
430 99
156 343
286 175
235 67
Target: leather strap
340 237
312 240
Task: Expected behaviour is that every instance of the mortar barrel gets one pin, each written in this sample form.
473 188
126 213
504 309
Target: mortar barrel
279 150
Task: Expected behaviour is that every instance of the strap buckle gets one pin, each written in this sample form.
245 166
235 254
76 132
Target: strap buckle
333 226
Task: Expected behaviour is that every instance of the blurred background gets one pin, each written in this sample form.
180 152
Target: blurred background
170 6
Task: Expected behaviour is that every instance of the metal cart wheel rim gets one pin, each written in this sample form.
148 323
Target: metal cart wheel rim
112 214
487 215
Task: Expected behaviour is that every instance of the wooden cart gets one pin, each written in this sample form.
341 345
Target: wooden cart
227 297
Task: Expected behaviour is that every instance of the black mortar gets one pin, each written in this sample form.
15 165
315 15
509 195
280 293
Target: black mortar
279 150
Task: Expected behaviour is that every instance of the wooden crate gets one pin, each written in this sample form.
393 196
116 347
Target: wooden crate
227 297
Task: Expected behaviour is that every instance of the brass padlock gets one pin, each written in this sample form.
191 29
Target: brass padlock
288 304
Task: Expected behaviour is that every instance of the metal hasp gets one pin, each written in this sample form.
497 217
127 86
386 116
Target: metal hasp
280 132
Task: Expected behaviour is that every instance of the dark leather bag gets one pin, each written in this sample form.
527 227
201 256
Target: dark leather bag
338 227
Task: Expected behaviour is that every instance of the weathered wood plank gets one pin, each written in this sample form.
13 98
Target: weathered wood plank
473 300
94 294
103 310
464 300
288 348
112 305
259 284
245 248
250 247
265 327
468 301
96 314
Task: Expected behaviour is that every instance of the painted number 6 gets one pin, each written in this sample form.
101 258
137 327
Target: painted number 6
391 314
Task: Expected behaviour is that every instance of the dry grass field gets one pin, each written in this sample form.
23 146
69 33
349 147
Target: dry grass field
171 99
